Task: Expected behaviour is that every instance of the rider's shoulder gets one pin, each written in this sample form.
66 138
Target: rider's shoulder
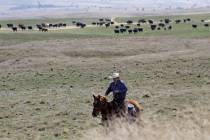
122 81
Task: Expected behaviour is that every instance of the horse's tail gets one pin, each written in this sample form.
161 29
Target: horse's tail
136 104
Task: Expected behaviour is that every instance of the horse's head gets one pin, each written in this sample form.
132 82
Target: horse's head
98 103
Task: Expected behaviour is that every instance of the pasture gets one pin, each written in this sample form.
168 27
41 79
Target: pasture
47 79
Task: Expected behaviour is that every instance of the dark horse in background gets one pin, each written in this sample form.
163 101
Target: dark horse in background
102 107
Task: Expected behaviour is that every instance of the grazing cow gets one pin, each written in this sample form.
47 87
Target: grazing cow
121 25
169 27
194 26
0 26
153 26
50 25
83 25
142 21
55 25
112 22
138 24
116 31
167 21
93 23
135 30
44 30
116 27
130 31
184 20
39 27
129 22
188 19
161 25
14 29
122 30
150 21
127 27
101 23
101 19
140 29
107 25
177 21
107 20
10 25
158 28
206 25
64 25
21 26
74 22
202 20
30 28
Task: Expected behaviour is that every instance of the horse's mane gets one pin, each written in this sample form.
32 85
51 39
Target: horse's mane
136 104
103 98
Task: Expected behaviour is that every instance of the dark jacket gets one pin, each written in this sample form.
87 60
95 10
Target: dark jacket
119 91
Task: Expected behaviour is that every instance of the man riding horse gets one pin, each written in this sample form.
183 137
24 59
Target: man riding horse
119 90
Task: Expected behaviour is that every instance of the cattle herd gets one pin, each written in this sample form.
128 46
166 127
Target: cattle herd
41 27
118 28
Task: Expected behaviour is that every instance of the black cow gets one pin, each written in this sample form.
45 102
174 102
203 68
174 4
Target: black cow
158 28
202 20
74 22
10 25
116 31
194 26
14 29
93 23
127 27
153 26
167 21
138 24
142 21
140 29
177 21
122 25
123 30
206 25
39 27
50 25
44 30
116 27
135 30
112 22
170 27
161 25
107 25
130 31
30 28
150 21
0 26
21 26
129 22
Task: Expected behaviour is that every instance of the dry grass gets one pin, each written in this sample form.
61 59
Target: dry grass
46 87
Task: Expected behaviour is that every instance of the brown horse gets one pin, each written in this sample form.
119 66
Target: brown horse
107 111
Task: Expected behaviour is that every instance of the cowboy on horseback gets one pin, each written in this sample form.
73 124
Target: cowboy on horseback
119 90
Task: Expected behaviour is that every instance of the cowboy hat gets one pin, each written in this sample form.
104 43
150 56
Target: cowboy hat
114 75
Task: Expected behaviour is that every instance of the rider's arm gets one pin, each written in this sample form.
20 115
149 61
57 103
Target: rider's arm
108 90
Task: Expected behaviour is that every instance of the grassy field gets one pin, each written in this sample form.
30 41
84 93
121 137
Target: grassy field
47 79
